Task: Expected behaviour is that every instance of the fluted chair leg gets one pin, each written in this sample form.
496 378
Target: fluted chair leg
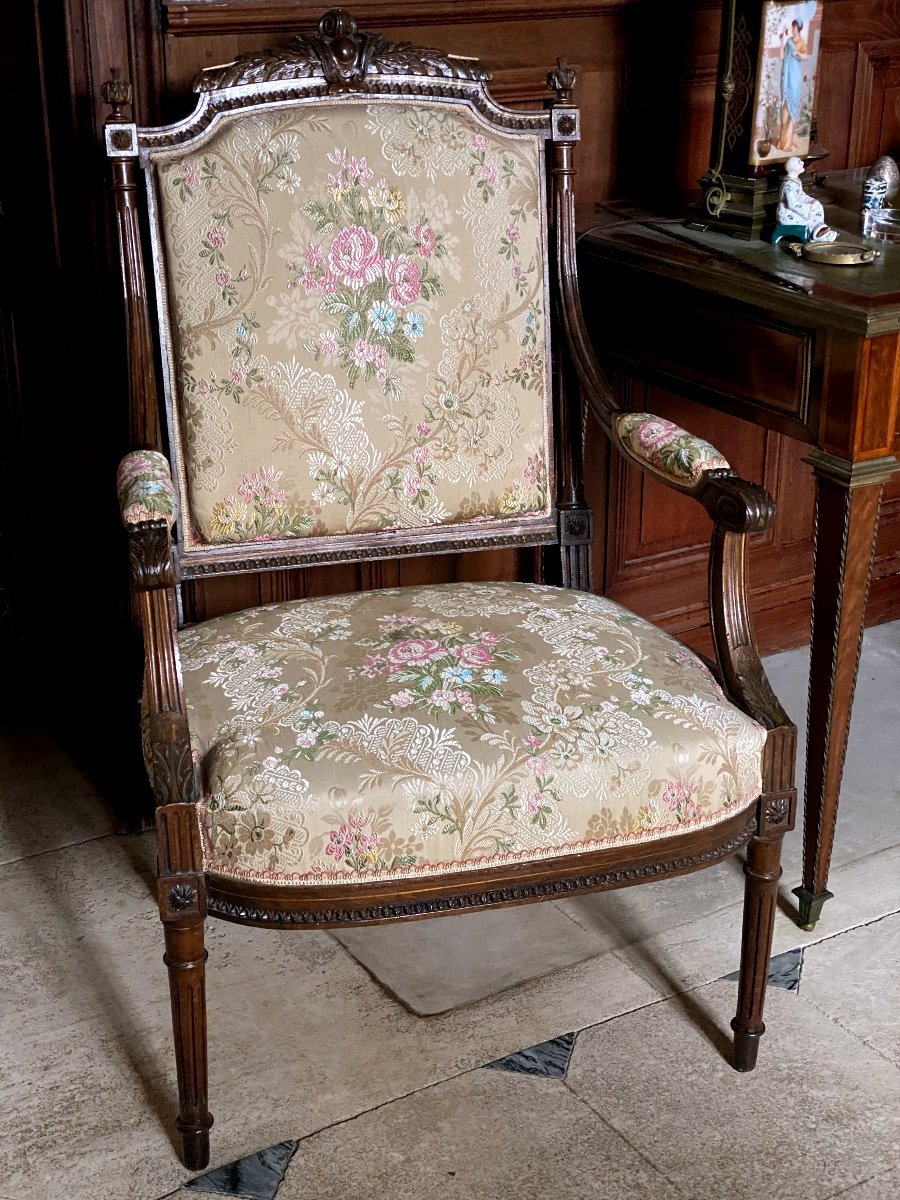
186 959
762 870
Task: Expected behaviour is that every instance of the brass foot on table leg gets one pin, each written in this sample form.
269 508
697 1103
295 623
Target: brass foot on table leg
810 906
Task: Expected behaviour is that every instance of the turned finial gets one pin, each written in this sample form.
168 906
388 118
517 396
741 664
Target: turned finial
117 94
562 81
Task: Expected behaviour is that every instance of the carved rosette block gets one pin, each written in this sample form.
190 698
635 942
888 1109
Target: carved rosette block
181 896
777 812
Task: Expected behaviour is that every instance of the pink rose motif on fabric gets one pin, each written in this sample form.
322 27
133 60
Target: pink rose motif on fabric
355 257
653 434
414 651
373 277
425 238
440 668
668 449
405 279
475 656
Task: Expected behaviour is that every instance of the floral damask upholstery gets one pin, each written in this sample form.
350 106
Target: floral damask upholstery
667 448
144 487
427 729
358 336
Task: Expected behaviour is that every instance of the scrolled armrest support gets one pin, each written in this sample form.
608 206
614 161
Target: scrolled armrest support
738 508
735 504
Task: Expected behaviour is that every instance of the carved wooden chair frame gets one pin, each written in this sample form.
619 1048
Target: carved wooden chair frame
341 61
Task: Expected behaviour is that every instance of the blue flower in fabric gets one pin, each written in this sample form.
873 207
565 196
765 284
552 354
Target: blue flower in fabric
382 317
415 325
458 675
494 675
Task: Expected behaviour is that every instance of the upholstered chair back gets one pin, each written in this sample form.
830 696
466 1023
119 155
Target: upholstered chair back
354 298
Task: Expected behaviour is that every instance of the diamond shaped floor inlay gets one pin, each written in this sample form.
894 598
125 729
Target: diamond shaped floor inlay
784 970
255 1177
550 1059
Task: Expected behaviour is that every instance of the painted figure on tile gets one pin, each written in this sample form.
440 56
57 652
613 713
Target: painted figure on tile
796 208
784 97
794 54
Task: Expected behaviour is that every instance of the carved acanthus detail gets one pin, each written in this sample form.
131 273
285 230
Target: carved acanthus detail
150 551
341 55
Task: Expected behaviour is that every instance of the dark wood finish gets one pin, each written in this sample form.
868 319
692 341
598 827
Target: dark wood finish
186 959
737 508
763 871
848 499
819 362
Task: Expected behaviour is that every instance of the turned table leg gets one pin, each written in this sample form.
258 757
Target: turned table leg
848 496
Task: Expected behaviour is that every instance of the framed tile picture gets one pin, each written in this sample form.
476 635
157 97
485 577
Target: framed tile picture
768 62
785 80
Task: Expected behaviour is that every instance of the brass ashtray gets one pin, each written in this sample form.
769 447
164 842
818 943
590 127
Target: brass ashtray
834 254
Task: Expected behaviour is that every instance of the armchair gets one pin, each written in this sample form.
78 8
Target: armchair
366 311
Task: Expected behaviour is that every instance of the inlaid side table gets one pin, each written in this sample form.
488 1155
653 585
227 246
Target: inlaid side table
808 351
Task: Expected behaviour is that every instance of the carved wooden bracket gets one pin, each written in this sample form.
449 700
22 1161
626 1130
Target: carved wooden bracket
150 551
736 504
171 761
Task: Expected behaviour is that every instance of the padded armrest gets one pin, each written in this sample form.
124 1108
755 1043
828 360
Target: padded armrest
666 450
145 489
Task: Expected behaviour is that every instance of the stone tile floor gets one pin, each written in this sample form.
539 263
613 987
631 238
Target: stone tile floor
609 1077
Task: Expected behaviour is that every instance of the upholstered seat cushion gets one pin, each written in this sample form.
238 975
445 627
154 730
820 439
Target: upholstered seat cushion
429 729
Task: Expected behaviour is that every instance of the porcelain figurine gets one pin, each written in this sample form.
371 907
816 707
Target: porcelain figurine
885 168
798 212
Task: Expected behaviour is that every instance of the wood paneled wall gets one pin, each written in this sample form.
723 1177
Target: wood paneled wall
647 77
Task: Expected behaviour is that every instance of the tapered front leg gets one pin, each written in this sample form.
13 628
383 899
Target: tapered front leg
182 907
186 959
848 496
763 871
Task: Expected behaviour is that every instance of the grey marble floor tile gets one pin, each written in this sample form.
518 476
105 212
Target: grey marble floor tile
485 1134
855 978
547 1059
785 971
818 1114
254 1177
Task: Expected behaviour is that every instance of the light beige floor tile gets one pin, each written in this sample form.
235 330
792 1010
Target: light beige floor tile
855 978
885 1186
46 801
869 813
489 1135
818 1114
433 966
300 1035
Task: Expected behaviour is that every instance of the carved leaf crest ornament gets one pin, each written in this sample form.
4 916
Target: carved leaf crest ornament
343 55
